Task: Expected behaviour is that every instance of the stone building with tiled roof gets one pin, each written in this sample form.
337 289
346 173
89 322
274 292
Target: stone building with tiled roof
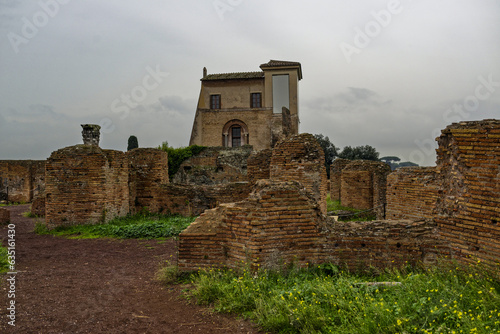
248 108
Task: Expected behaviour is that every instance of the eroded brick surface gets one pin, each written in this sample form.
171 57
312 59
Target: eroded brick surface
86 185
280 223
412 193
300 158
259 164
468 212
363 185
21 180
148 170
335 174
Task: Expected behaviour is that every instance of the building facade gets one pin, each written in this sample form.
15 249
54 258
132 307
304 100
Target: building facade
248 108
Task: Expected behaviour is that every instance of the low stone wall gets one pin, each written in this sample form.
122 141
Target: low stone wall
4 216
280 223
380 244
412 193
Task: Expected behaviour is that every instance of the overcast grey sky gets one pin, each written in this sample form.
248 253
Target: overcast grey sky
390 74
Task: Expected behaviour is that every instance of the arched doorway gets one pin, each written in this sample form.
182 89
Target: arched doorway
235 134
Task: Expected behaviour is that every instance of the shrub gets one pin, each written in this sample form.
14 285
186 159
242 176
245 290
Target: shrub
176 156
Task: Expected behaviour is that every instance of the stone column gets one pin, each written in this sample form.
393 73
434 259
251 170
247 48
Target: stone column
91 134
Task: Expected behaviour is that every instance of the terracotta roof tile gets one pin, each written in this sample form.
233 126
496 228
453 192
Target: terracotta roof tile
232 76
276 63
283 63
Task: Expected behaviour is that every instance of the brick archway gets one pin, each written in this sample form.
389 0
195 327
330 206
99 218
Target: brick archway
235 133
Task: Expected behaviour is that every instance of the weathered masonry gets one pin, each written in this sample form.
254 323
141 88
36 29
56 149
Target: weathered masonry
21 180
451 210
86 184
248 108
468 211
412 193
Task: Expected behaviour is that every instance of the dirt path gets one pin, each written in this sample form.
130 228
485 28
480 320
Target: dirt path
98 286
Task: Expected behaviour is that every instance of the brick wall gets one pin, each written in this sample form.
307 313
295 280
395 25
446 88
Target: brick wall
192 200
300 158
85 185
148 170
468 159
363 185
4 216
21 180
280 223
259 164
335 173
412 193
383 244
277 223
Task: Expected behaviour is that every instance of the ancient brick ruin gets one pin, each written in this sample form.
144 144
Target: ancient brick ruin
301 158
147 172
335 177
468 211
21 180
363 186
412 193
449 210
85 185
268 207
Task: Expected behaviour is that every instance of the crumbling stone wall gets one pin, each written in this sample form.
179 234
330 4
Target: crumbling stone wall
468 213
86 185
259 164
281 126
21 180
280 222
277 222
4 216
148 170
412 193
215 165
363 185
335 173
300 158
381 244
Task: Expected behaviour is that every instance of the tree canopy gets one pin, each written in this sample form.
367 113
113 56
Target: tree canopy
330 150
365 152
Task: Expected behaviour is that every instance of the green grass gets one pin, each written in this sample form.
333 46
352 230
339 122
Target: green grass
12 203
446 299
28 214
357 215
140 226
4 263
